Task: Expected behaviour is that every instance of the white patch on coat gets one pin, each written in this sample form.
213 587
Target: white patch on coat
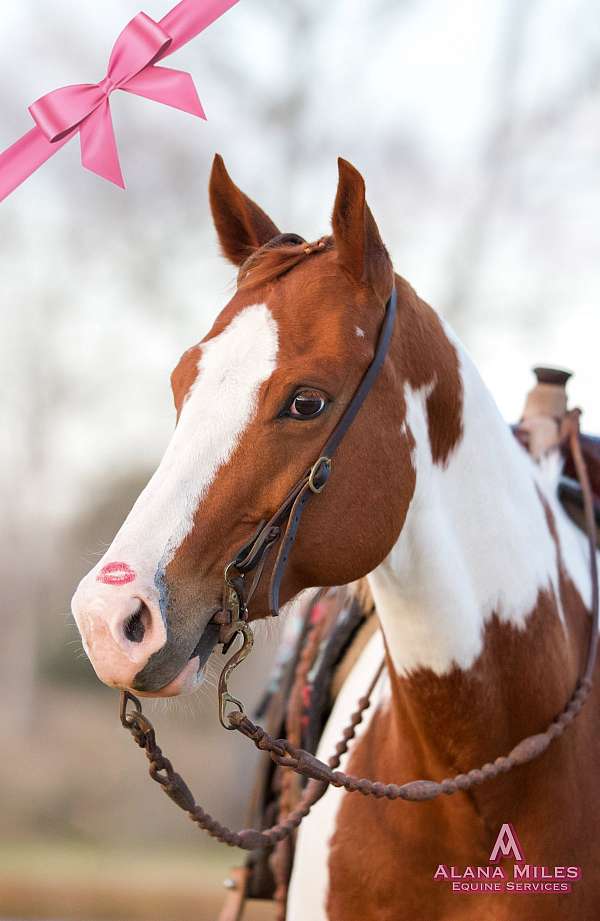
475 541
219 407
359 332
310 877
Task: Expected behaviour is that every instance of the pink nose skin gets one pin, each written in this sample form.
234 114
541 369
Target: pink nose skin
120 628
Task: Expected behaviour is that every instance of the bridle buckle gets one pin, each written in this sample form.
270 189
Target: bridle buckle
319 474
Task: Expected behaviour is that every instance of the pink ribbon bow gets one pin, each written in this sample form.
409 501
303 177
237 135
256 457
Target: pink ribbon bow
85 107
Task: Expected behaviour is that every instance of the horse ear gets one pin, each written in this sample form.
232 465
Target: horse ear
360 250
242 226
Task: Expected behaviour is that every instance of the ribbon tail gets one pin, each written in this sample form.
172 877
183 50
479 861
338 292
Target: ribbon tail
99 147
171 87
19 161
190 17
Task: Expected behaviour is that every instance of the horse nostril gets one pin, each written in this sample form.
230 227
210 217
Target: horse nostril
134 627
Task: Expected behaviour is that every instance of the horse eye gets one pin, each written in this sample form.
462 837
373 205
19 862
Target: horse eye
307 404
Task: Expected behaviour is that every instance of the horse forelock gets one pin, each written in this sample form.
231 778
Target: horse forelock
278 257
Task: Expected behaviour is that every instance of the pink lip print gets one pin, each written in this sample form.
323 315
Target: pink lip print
116 574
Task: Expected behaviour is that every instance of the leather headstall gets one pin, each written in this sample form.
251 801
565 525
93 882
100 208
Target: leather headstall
243 573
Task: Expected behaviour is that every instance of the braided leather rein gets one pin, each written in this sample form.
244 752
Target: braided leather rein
233 621
321 775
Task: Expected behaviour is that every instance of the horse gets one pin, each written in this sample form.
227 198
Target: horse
480 580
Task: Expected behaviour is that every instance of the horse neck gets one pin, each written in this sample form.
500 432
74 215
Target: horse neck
479 598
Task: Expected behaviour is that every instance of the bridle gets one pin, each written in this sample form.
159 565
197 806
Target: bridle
241 578
243 573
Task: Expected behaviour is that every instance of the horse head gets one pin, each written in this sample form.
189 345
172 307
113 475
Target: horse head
256 399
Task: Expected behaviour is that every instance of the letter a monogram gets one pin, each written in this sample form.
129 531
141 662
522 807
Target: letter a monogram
506 844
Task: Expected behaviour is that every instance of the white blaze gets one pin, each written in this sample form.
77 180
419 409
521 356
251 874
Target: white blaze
220 405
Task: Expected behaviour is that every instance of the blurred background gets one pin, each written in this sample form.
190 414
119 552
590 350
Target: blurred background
476 128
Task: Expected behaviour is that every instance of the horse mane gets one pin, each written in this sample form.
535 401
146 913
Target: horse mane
278 256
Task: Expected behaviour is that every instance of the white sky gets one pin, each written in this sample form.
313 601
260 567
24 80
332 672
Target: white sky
102 290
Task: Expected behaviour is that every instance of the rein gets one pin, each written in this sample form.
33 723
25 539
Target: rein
233 621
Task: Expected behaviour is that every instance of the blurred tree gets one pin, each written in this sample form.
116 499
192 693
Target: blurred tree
512 128
468 248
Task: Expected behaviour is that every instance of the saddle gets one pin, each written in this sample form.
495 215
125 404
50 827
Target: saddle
324 638
543 427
